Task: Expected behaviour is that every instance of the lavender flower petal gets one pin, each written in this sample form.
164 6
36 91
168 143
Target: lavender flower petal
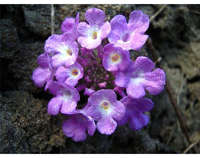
95 17
106 126
44 60
70 75
63 48
68 25
134 112
115 58
89 43
118 24
67 94
40 76
155 81
104 108
68 106
105 30
90 36
77 125
128 36
138 77
139 21
54 105
135 90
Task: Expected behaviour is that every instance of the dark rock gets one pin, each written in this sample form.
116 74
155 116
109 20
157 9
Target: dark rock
10 40
24 64
38 19
175 34
25 125
10 46
110 10
19 69
12 138
124 140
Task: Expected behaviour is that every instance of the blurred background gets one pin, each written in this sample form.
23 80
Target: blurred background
27 128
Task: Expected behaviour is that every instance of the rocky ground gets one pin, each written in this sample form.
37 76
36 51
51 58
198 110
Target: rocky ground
27 128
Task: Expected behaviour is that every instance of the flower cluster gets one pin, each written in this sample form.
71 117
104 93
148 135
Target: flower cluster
93 57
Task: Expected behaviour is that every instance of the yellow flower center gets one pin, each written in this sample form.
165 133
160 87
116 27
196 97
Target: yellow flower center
75 72
94 35
115 57
69 52
105 105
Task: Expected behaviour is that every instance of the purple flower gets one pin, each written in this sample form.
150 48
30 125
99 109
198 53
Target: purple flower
120 91
115 58
91 52
104 107
65 72
70 25
63 48
90 36
139 77
129 35
134 112
102 84
70 75
89 56
65 100
44 73
44 60
89 91
77 125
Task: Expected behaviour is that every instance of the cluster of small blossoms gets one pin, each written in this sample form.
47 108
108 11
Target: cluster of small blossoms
93 57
